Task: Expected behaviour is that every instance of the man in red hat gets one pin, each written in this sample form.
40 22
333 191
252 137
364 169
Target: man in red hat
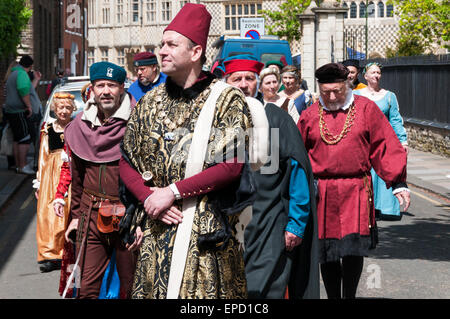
189 213
149 76
345 135
242 71
281 238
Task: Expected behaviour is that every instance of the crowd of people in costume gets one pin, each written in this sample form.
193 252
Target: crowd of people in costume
221 184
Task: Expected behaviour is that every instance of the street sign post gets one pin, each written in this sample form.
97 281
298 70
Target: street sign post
252 27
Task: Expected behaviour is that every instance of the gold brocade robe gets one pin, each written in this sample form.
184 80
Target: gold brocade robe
158 133
50 228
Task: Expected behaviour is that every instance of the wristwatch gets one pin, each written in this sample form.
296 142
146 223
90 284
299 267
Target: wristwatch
175 191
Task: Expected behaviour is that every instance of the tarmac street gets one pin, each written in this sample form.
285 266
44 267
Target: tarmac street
412 259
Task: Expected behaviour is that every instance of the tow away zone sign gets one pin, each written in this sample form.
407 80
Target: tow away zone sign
252 27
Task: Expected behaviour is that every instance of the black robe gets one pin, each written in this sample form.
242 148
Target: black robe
270 268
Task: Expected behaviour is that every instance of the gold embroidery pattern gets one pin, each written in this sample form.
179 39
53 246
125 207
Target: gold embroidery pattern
208 274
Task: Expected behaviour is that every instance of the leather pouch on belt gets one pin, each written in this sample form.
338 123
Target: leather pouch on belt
109 215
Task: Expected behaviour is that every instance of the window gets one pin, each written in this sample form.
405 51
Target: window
135 10
119 11
182 3
91 12
166 11
150 10
121 57
380 9
104 53
390 10
353 10
105 15
362 10
371 10
238 10
344 5
91 57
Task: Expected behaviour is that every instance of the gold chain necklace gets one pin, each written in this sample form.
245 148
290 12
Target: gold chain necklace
325 133
183 115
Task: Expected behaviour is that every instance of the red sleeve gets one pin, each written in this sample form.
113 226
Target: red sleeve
213 178
64 177
133 181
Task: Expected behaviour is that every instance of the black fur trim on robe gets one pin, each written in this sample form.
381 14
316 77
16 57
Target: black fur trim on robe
175 92
229 201
131 203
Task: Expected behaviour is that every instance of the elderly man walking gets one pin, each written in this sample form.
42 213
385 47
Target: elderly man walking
281 238
94 137
345 135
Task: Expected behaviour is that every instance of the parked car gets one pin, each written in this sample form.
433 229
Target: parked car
268 48
72 85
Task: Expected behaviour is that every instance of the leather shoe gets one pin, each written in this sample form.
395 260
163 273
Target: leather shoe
47 266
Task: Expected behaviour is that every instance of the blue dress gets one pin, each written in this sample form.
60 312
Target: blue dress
303 101
385 201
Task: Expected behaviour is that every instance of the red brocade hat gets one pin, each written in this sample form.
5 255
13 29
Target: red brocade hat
193 22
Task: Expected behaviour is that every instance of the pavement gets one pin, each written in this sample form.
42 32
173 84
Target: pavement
425 170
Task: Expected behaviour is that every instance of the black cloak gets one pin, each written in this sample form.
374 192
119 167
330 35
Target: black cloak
270 268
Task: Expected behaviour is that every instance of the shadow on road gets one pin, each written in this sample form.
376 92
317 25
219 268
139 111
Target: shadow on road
15 219
421 238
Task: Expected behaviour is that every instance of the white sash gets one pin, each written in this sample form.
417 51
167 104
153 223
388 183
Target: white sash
194 165
259 134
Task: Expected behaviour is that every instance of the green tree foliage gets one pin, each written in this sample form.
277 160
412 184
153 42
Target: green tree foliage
284 22
424 22
14 16
406 46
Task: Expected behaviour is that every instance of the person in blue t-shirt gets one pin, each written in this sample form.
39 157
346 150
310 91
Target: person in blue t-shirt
149 75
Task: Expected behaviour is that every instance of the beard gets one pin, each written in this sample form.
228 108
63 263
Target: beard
108 103
144 81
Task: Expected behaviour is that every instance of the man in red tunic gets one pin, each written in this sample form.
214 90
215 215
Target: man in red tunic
345 135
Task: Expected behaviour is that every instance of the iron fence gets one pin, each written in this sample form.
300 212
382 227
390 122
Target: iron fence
422 86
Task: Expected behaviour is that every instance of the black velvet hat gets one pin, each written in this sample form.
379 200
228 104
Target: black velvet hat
332 73
352 62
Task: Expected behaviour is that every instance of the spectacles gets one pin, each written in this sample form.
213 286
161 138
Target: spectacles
336 91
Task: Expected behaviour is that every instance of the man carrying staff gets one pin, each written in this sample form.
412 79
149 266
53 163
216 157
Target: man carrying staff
93 138
281 238
189 247
345 135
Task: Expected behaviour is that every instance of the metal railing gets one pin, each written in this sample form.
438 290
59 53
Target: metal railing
422 86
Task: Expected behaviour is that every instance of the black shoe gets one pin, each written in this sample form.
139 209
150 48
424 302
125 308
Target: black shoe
47 266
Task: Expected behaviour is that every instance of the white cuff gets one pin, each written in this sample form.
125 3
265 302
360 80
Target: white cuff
175 191
36 183
65 157
60 201
400 189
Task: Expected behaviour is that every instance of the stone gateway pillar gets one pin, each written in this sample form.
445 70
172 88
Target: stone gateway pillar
322 37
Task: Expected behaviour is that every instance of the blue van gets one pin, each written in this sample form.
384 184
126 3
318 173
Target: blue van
265 49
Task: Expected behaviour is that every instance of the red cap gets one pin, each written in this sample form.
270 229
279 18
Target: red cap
144 58
236 65
193 22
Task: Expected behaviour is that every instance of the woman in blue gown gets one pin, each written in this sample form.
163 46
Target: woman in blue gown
385 202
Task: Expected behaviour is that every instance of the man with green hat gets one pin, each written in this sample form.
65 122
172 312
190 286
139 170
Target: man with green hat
93 138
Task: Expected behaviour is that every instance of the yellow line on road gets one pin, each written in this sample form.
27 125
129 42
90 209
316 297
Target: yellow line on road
27 201
426 198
